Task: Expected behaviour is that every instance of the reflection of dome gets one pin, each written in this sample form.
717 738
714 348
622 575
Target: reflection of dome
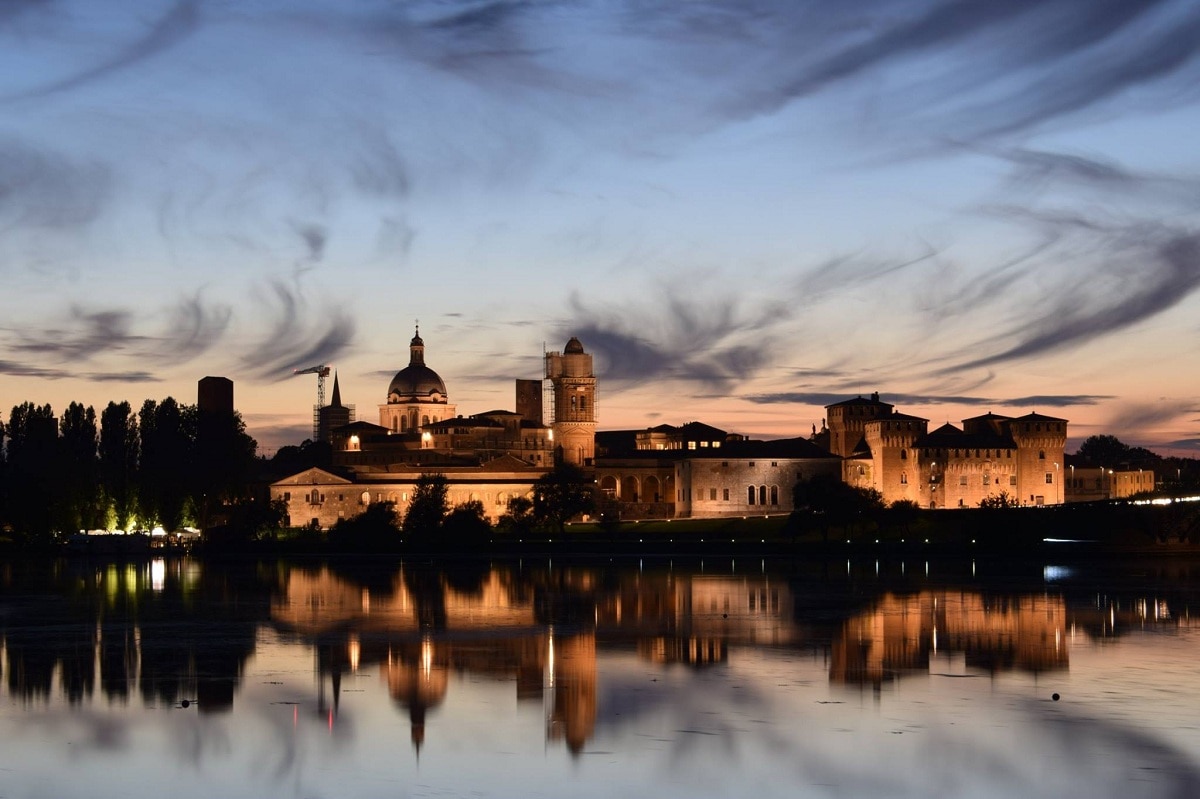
574 347
416 382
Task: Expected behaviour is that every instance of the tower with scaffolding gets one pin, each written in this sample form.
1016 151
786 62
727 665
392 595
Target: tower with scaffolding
571 395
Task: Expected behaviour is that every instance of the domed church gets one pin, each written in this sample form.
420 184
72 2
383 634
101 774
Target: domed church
416 397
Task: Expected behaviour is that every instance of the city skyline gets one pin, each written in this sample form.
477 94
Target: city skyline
746 211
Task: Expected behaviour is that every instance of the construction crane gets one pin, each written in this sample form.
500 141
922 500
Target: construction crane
322 372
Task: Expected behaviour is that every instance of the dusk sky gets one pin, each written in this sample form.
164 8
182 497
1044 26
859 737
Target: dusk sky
746 209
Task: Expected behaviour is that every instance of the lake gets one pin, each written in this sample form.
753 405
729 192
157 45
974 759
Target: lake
656 678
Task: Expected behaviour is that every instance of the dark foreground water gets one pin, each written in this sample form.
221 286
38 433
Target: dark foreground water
544 679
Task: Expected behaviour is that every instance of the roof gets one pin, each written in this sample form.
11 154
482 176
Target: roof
860 400
776 448
462 421
1037 417
699 430
574 347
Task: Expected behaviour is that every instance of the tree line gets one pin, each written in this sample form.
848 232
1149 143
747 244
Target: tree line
167 464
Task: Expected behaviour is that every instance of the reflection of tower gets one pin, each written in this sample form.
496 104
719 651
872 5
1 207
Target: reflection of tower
333 415
573 384
572 677
417 687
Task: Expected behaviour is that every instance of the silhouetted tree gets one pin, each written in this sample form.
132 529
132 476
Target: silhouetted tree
829 503
167 462
562 494
32 455
466 524
79 485
118 462
519 518
429 506
376 529
998 501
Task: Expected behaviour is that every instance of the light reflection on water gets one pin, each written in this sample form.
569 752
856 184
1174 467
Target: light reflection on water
352 679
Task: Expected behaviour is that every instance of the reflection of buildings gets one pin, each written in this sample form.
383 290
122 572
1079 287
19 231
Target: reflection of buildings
420 626
901 634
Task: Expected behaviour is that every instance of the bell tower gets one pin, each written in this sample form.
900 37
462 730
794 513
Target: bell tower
573 385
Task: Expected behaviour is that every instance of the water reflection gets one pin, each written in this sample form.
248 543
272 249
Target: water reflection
592 651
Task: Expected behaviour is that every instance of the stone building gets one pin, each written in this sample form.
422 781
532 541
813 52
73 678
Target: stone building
490 457
895 454
697 470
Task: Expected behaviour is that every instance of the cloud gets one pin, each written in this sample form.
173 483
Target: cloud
1152 269
40 188
828 398
165 32
710 342
298 336
85 334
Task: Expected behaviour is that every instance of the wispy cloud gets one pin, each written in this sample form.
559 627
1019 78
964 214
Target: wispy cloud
299 335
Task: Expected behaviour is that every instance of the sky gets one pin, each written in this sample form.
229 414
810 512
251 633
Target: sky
745 209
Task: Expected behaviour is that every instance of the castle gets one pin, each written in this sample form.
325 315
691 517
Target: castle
693 470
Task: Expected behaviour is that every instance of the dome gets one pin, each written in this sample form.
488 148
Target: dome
573 347
417 381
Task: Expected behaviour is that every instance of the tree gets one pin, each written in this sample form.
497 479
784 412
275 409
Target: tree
376 529
519 518
167 464
1000 501
429 506
834 503
118 462
467 524
1104 450
32 456
79 495
561 494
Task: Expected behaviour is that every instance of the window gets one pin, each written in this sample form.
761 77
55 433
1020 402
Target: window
762 495
749 495
1041 455
287 496
712 494
726 494
1012 479
1049 478
583 403
987 479
751 464
774 495
703 445
903 478
903 454
691 445
962 479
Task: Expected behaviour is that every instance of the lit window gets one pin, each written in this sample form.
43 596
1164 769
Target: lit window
903 478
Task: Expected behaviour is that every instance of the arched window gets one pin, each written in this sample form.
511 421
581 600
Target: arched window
393 424
762 495
904 478
583 403
774 495
403 424
574 402
424 420
750 495
903 454
1041 455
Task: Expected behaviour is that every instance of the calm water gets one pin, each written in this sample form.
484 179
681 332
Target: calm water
538 678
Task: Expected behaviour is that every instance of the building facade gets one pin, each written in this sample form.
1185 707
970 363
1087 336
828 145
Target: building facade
1020 459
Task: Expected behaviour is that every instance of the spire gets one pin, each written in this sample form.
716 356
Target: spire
336 402
416 349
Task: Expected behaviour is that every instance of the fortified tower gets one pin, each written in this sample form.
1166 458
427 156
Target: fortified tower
573 384
1040 443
